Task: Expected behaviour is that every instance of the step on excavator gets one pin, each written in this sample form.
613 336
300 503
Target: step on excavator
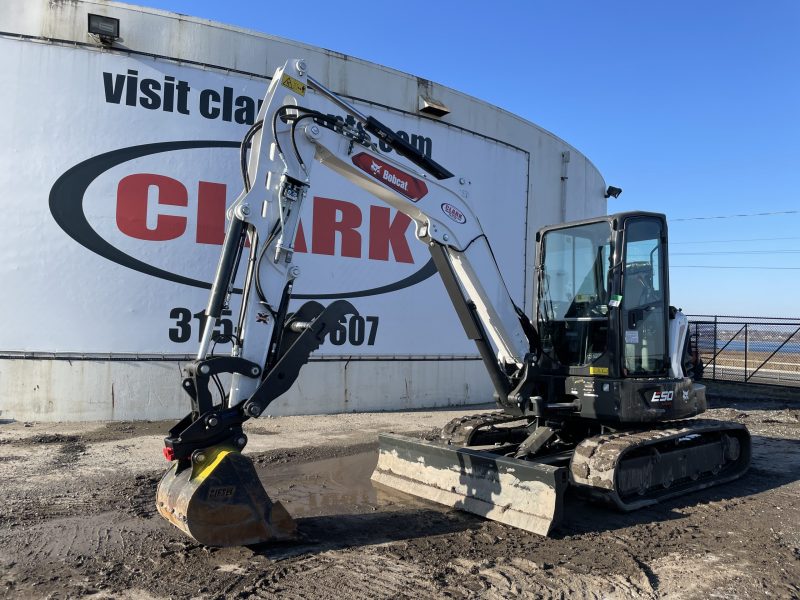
595 391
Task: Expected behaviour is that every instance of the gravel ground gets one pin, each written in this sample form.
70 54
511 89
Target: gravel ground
79 520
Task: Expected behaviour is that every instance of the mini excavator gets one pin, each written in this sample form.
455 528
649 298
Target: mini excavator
595 391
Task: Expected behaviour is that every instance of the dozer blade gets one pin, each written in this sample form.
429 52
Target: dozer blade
221 502
520 493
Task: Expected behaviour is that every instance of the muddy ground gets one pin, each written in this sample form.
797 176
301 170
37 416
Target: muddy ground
78 519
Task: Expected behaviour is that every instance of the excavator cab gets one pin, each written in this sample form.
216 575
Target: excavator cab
603 317
603 299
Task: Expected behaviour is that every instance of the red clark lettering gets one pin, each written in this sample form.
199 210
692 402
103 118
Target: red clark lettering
336 227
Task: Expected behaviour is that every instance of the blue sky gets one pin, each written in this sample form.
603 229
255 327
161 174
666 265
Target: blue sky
693 108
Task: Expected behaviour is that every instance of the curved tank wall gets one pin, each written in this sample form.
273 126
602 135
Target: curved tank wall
117 166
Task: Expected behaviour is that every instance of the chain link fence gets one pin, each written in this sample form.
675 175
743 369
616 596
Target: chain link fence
747 349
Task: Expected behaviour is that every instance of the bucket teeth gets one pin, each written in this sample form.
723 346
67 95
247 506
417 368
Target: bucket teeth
219 501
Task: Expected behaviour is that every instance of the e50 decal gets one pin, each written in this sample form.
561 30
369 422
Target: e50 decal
662 397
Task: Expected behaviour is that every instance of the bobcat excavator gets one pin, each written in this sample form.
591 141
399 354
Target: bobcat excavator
591 391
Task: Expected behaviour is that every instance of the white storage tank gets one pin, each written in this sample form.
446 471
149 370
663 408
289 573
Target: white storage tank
117 164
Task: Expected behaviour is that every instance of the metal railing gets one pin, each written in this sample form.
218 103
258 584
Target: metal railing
747 349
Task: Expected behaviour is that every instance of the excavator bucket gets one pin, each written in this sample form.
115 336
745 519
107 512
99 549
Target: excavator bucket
219 501
520 493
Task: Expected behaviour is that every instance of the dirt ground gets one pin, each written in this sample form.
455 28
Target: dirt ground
78 519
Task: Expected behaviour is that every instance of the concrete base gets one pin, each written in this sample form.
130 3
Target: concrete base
94 390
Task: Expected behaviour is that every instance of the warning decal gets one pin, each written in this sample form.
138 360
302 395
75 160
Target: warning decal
298 87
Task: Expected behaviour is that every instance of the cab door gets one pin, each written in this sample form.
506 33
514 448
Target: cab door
645 298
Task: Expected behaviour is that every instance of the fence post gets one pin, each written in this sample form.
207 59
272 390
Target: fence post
714 366
745 352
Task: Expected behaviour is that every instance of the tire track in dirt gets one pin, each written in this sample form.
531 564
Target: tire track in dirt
346 574
520 577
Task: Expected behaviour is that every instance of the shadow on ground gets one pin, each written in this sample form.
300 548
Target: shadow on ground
334 532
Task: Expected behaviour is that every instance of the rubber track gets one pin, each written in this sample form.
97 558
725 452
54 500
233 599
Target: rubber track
594 463
462 430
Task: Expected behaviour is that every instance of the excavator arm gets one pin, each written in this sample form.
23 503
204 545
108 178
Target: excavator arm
268 350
